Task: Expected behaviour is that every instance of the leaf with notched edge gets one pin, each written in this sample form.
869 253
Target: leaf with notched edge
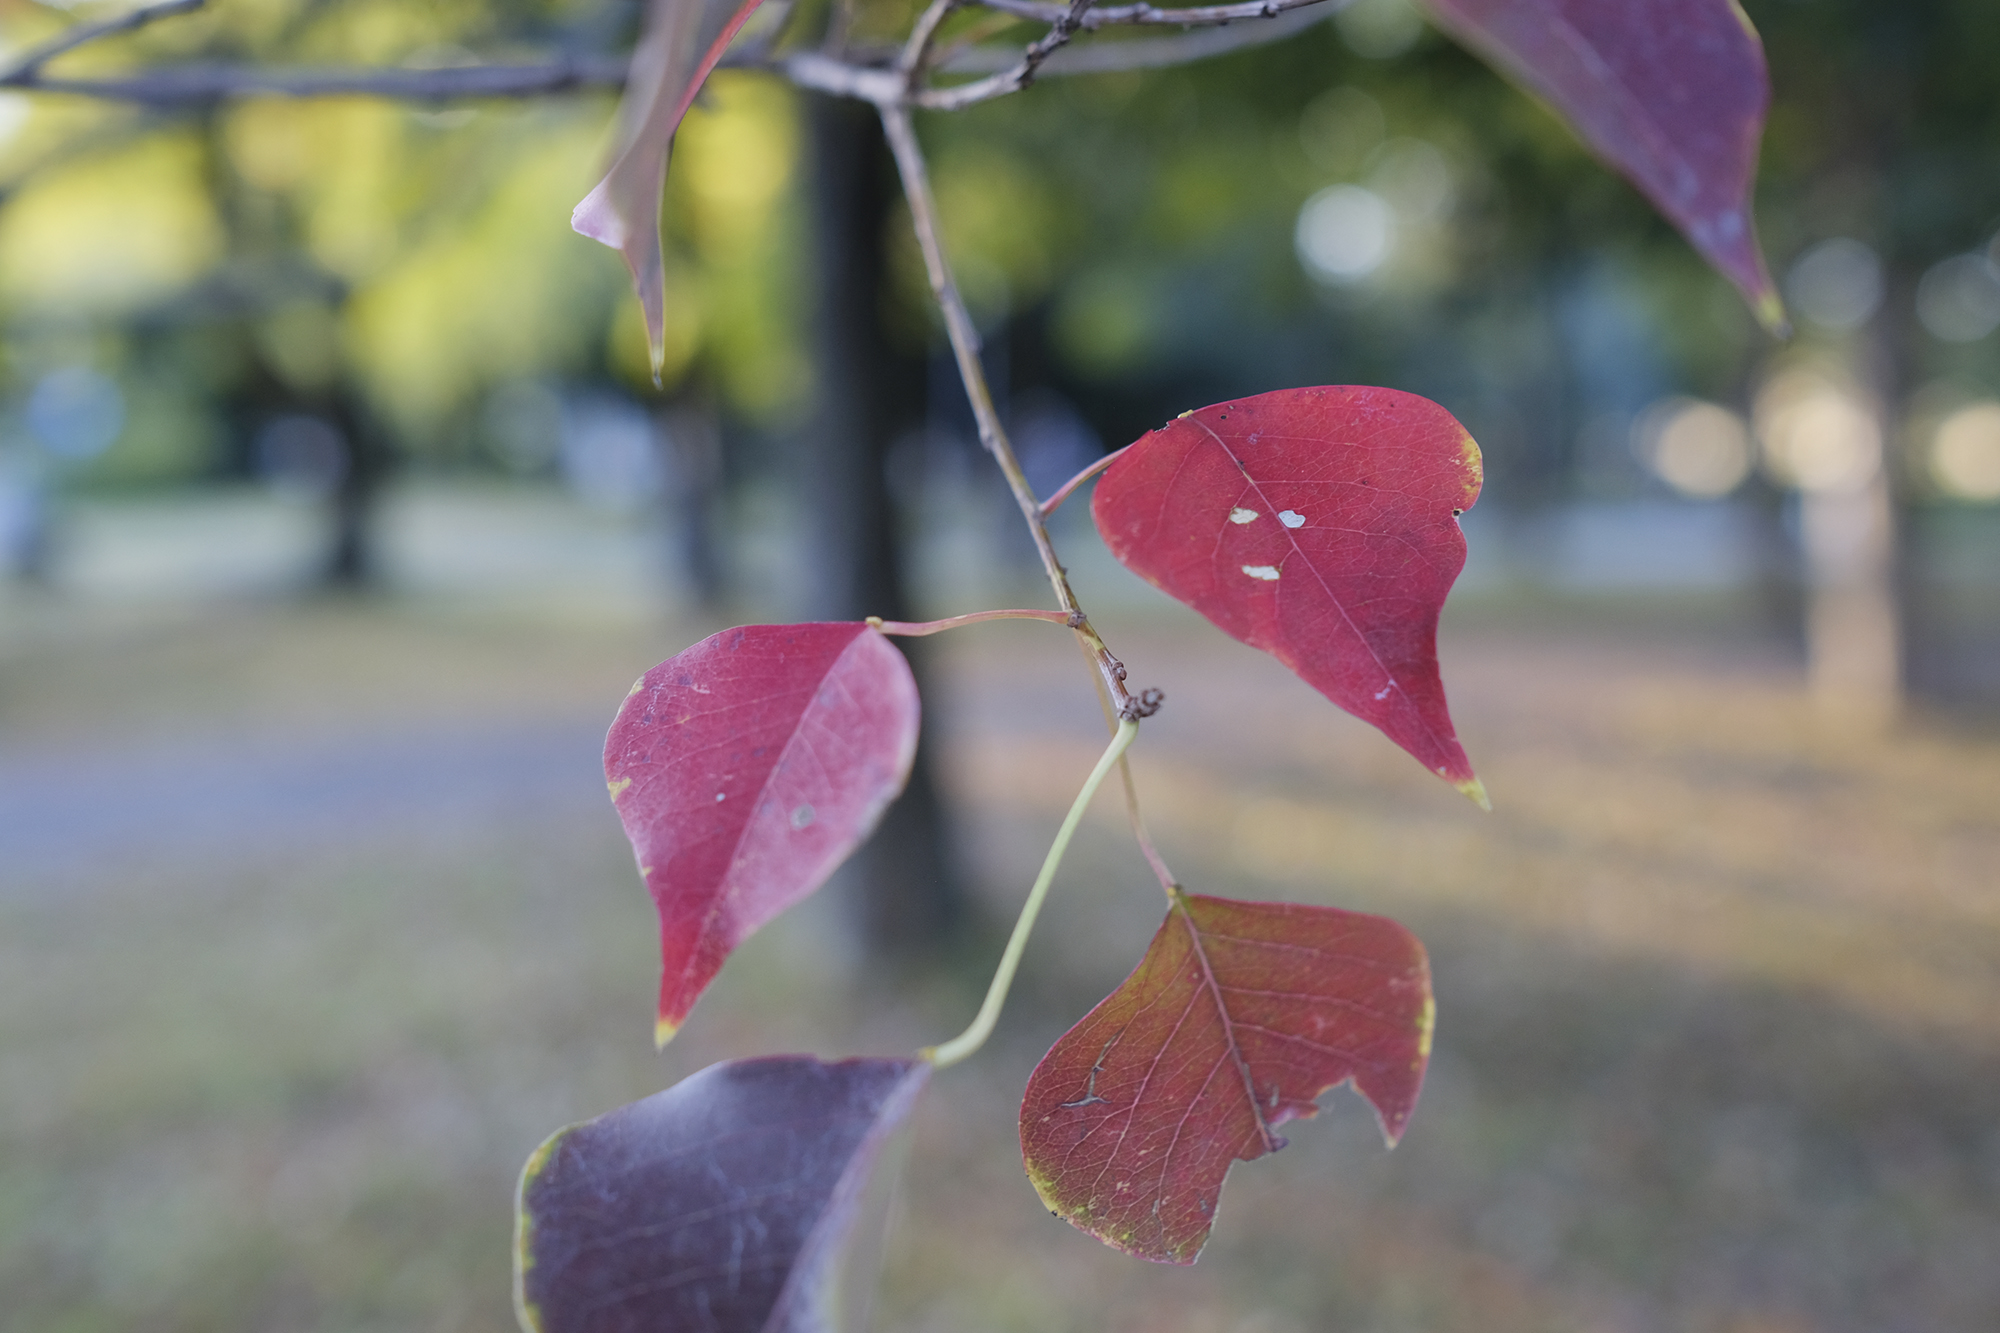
1237 1019
682 42
1670 93
1320 525
745 769
721 1204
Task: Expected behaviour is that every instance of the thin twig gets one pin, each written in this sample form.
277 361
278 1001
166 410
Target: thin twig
916 52
29 65
1139 834
917 629
1203 16
1054 502
964 338
1182 48
201 84
1066 26
185 84
823 74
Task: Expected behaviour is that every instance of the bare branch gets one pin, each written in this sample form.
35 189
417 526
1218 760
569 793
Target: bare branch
1006 72
823 74
1202 16
1146 52
1161 17
30 65
964 338
916 53
1067 25
179 85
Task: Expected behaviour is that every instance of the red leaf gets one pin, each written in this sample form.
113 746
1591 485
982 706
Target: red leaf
1670 93
682 42
722 1204
1321 526
1238 1018
745 769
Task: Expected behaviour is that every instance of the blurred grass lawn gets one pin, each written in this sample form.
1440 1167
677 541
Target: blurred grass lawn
1717 1039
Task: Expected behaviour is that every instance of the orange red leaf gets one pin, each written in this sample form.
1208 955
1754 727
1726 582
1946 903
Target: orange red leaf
1238 1018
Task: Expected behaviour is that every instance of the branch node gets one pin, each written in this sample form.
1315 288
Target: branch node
1145 704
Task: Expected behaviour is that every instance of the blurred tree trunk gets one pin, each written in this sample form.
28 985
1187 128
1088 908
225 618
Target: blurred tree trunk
692 438
910 891
263 238
350 560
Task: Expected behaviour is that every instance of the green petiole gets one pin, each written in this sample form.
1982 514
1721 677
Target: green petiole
970 1040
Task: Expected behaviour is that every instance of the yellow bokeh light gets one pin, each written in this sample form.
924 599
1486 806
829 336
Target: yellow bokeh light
1698 448
1817 433
1965 452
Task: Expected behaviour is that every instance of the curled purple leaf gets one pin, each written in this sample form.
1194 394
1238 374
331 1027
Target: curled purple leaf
723 1204
1670 93
682 42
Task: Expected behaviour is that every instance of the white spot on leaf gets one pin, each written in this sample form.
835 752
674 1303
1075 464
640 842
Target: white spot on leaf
802 816
1268 573
1291 518
718 796
1383 693
1241 515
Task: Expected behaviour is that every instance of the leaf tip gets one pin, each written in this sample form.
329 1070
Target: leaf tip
1770 310
664 1029
1476 790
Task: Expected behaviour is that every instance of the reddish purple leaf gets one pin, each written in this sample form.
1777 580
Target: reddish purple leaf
722 1204
682 42
745 769
1320 525
1238 1018
1670 93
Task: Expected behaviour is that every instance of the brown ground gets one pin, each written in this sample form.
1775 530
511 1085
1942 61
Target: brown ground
1716 980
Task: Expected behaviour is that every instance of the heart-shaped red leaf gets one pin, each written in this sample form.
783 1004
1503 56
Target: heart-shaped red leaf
1321 526
1670 93
745 769
682 42
721 1204
1238 1018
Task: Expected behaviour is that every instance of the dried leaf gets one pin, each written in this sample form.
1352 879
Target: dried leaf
1321 526
1238 1018
1670 93
745 769
681 44
721 1204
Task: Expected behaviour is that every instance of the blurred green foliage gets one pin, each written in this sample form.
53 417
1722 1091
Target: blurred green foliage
1135 231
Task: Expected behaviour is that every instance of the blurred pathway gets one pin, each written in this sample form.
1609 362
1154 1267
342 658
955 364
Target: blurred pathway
69 818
